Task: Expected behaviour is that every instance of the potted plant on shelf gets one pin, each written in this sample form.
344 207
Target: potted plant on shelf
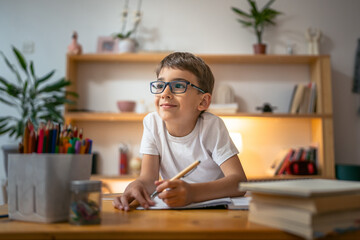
258 19
126 42
34 98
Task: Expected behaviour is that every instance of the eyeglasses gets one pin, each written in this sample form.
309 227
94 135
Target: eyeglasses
176 87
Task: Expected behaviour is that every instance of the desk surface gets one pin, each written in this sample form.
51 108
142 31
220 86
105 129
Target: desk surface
153 224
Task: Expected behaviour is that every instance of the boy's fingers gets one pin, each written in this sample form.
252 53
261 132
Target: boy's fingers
157 182
148 199
117 203
124 203
167 184
142 201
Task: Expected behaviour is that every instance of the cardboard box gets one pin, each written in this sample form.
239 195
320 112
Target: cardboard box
39 185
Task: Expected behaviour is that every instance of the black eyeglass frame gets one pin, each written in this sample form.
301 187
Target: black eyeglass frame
174 82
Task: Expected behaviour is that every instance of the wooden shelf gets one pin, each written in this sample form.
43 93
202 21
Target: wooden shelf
319 125
209 58
135 117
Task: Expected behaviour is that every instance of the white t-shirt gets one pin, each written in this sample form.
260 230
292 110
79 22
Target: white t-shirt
209 142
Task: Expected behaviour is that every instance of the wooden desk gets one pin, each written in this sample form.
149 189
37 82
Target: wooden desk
153 224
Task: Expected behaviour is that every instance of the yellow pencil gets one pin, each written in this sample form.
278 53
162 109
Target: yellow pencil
180 175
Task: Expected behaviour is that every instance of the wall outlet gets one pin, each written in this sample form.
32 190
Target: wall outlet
28 47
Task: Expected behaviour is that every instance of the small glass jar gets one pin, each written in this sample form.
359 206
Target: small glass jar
85 203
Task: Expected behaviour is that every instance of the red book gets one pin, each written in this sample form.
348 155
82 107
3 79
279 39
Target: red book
286 162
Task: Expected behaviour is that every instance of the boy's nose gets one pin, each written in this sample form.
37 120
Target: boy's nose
167 92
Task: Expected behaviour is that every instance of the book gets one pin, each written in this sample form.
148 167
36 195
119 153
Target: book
240 203
302 216
309 208
322 204
312 98
305 101
277 163
297 99
286 162
316 230
303 187
292 97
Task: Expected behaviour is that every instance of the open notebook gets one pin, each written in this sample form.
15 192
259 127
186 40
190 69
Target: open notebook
241 203
232 203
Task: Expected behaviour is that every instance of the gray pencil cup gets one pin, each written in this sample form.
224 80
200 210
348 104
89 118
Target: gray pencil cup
39 185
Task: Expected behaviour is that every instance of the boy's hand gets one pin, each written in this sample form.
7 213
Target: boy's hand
134 191
176 193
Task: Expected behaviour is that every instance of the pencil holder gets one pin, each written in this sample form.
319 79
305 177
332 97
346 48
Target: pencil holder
39 185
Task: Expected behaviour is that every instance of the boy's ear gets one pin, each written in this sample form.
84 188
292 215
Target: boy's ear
205 102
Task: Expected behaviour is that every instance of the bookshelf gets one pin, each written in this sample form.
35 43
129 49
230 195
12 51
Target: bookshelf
319 124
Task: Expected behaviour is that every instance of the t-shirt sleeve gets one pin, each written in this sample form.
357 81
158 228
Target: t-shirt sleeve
221 146
148 141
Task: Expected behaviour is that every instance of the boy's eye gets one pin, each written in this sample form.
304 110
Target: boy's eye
158 85
179 85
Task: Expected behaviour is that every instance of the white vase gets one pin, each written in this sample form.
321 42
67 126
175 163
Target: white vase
127 45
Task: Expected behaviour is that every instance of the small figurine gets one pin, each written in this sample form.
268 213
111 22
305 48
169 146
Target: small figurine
74 48
290 49
266 108
313 38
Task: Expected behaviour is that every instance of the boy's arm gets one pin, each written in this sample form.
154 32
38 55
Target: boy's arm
142 187
149 171
183 193
223 187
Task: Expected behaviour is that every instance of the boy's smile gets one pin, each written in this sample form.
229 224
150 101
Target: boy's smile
179 111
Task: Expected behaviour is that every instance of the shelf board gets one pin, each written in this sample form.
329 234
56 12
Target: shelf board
135 117
151 57
99 116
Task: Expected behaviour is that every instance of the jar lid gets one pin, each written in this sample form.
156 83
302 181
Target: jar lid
86 185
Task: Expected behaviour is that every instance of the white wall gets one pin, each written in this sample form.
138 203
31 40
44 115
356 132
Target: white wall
202 26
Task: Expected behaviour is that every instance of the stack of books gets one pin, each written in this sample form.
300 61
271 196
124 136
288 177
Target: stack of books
309 208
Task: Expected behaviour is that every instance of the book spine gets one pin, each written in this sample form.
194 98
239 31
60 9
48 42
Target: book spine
286 163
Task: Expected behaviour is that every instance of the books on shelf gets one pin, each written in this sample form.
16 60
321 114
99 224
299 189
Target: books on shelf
295 161
309 208
227 108
303 99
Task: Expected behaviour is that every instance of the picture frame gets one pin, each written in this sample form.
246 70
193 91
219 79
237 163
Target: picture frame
107 45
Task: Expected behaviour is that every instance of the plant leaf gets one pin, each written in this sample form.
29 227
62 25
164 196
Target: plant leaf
246 24
75 94
20 59
12 67
11 89
32 71
7 102
240 12
254 7
57 86
267 5
44 78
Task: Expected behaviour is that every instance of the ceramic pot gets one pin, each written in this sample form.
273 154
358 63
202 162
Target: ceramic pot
126 106
259 48
127 45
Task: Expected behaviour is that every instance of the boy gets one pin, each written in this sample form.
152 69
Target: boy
180 132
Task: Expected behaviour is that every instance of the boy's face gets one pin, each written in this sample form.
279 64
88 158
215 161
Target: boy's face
179 108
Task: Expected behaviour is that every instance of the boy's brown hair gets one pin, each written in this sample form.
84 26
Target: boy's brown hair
189 62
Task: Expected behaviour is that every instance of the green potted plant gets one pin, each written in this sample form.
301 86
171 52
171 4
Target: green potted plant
34 98
258 20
